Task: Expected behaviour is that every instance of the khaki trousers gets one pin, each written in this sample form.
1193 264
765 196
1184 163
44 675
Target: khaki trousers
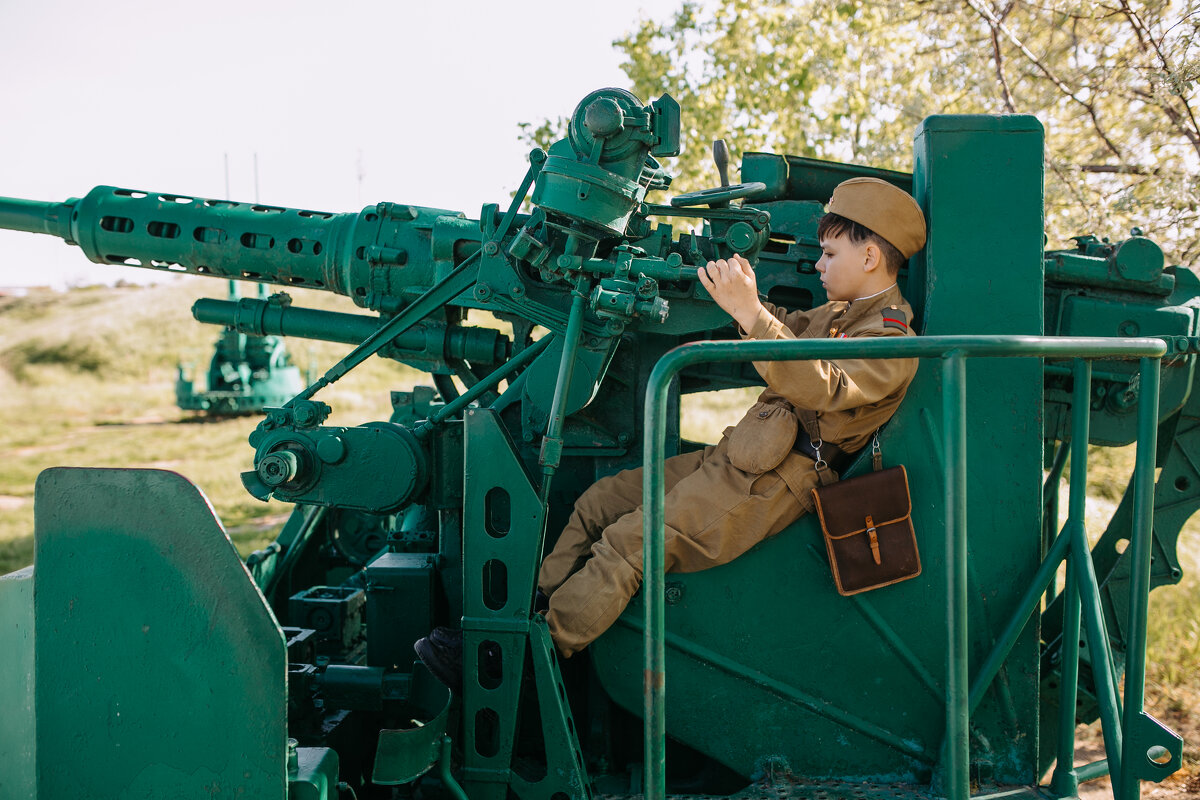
714 512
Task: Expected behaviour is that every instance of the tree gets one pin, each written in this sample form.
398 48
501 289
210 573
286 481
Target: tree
1114 85
1113 82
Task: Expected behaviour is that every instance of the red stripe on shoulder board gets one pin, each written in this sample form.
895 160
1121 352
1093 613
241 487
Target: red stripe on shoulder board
897 321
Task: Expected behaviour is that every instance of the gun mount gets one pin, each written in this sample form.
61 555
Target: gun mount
441 513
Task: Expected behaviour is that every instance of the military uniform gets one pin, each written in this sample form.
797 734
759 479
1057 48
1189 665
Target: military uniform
723 500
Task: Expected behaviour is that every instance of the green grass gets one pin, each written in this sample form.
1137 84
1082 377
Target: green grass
87 379
705 415
76 356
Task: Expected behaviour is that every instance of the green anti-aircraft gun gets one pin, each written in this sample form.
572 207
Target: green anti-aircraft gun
247 373
146 659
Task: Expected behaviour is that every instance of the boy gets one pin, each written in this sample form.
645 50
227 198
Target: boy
757 480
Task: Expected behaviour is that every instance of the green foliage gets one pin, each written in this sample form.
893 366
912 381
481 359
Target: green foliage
83 356
803 78
543 134
1114 84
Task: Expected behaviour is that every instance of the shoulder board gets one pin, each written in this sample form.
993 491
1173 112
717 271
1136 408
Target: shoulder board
895 318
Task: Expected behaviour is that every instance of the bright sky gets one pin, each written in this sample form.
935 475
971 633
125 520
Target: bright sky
345 105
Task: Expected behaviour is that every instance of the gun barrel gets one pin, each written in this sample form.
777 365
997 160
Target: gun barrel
264 318
268 318
360 255
35 216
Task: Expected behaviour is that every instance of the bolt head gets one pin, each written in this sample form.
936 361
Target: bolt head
331 449
603 118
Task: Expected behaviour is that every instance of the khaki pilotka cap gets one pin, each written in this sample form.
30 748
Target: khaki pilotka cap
885 209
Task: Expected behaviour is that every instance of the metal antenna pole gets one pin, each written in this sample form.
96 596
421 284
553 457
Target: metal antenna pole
233 287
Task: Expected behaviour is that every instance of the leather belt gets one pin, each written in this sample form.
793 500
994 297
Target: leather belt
834 456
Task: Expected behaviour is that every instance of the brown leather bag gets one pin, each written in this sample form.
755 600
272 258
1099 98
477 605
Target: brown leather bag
867 523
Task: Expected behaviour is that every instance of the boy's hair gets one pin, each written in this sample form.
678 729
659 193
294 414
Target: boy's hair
832 225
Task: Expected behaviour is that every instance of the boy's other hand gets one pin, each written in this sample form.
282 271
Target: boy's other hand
733 285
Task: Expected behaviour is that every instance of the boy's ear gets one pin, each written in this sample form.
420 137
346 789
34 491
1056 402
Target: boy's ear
873 257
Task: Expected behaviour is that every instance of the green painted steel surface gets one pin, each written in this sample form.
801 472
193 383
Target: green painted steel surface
1150 751
953 767
160 670
247 373
405 755
849 688
1065 782
799 178
990 291
425 347
953 757
315 775
503 526
470 479
17 775
233 240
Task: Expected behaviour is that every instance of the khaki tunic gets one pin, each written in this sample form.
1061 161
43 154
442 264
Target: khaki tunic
727 498
852 397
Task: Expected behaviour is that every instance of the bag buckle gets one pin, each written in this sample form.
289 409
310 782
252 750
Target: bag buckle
871 532
824 474
816 446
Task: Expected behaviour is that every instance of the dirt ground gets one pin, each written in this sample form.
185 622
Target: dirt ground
1181 713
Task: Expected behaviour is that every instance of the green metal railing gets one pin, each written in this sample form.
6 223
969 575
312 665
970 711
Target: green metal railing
961 696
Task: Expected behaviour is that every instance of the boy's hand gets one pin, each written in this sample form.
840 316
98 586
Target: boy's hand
733 285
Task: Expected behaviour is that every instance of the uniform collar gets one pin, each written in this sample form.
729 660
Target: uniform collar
873 296
859 307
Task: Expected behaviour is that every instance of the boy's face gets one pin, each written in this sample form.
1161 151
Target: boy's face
842 267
